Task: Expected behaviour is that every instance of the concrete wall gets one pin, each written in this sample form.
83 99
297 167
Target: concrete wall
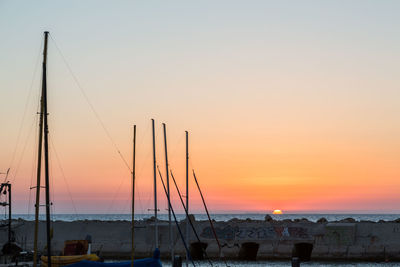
331 240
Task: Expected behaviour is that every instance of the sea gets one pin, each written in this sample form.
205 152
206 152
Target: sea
217 217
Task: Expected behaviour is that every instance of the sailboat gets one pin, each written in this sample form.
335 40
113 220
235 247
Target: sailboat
147 262
54 261
83 260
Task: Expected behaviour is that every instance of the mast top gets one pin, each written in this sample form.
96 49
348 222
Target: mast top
46 34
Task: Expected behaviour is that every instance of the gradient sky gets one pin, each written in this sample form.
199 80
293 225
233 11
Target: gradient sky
290 105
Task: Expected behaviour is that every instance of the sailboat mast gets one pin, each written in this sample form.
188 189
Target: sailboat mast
155 185
46 151
187 194
133 193
168 193
9 212
39 167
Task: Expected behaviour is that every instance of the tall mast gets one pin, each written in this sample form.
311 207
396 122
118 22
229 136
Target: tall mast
46 151
43 129
168 193
9 212
155 184
39 166
133 193
187 194
40 145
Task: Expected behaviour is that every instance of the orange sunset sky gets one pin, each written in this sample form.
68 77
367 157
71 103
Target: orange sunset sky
290 105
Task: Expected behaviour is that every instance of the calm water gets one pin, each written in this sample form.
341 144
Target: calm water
217 217
288 264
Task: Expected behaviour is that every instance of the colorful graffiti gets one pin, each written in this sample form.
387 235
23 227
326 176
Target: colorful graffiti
267 232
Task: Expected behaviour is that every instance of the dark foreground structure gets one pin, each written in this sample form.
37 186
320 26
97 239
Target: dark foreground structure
240 239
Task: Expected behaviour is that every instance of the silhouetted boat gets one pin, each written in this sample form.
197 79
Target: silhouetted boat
84 257
58 261
54 261
147 262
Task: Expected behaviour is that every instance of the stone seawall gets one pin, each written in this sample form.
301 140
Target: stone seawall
345 240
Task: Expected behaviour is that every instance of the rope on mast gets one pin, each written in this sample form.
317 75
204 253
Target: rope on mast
176 221
63 175
190 221
25 110
179 192
91 106
209 218
22 153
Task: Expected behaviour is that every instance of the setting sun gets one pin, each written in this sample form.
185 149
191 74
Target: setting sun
277 212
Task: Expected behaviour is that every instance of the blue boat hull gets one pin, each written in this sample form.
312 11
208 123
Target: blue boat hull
147 262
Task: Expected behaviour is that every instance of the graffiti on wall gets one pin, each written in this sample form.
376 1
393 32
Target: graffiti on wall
340 234
264 232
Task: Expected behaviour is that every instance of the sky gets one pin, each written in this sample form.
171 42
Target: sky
289 105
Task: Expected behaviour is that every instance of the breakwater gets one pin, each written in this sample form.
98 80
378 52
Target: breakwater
314 217
265 239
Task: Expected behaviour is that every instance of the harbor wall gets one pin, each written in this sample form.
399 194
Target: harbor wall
344 240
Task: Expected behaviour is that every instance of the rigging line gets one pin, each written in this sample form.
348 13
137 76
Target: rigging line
115 195
123 181
128 201
53 191
172 155
33 166
26 106
177 189
176 222
91 105
131 198
63 174
38 106
138 174
125 205
209 218
191 163
23 152
139 195
191 224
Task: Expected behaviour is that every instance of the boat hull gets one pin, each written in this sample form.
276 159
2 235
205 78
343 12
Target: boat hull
58 261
